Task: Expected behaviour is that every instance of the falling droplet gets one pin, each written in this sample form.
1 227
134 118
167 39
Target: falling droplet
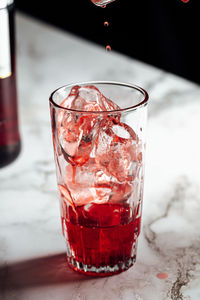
162 275
106 24
103 6
185 1
108 48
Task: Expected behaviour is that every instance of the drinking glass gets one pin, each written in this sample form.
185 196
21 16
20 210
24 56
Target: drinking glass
99 157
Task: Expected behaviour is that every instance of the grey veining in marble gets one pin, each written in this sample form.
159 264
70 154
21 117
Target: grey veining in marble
32 250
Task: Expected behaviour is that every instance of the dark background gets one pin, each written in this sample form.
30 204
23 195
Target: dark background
163 33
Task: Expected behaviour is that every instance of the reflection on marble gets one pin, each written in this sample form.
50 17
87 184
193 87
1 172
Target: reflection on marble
32 250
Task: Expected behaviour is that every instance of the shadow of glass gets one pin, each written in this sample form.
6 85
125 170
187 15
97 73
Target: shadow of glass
37 272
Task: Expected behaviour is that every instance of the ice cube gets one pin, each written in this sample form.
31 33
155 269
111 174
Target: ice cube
77 135
90 184
81 181
94 100
83 195
90 175
84 98
78 131
121 192
116 149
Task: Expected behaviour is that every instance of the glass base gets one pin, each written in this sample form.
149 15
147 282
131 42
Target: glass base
102 270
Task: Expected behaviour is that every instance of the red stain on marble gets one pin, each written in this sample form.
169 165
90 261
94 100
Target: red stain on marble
162 275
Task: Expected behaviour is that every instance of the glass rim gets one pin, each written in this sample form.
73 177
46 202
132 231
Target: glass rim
133 107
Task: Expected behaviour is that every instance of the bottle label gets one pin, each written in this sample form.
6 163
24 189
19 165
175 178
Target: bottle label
5 55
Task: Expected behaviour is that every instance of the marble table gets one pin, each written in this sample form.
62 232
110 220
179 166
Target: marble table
32 250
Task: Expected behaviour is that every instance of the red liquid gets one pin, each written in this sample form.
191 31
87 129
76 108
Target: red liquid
100 237
108 48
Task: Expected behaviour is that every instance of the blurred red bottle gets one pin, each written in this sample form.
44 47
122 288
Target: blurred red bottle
9 132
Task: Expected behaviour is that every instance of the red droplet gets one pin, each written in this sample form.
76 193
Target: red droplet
103 6
185 1
106 24
162 275
108 48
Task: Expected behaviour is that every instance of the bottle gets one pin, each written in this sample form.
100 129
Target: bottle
102 3
10 143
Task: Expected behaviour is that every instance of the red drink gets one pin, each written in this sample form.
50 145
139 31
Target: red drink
99 159
100 237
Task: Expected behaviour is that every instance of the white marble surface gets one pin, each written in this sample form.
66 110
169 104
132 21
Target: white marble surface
32 259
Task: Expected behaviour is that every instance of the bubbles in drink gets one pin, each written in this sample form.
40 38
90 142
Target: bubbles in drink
108 48
106 24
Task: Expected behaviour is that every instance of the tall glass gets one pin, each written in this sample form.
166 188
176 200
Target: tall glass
99 158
